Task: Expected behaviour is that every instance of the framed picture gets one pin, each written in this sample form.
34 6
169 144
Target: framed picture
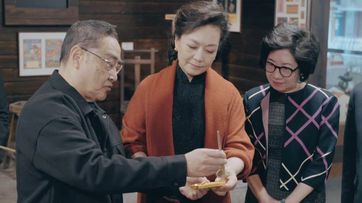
44 12
292 11
233 9
39 52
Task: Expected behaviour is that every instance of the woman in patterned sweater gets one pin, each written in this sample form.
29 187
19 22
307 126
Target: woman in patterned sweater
292 124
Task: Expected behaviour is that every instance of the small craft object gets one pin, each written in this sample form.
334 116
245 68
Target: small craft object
221 172
208 185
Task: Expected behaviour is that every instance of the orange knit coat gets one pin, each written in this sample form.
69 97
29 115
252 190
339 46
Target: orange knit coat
147 124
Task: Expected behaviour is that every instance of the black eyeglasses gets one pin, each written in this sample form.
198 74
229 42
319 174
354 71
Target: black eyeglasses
284 71
116 64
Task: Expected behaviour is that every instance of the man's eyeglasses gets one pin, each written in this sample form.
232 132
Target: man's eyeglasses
284 71
116 64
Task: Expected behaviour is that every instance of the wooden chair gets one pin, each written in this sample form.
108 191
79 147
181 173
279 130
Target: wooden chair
137 63
15 109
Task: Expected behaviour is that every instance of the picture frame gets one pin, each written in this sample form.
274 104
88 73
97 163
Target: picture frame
295 12
39 52
233 9
45 12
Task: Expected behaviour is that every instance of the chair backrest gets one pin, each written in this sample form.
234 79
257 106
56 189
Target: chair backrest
16 107
137 60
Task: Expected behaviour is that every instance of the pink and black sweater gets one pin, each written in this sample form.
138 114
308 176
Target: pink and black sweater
309 139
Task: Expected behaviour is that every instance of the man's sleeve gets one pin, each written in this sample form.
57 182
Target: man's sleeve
349 153
4 114
64 152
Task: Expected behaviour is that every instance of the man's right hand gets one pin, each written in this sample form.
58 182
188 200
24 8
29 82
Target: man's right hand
204 162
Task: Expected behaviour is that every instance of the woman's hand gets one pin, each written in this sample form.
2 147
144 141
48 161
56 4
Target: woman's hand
191 193
264 197
230 179
268 199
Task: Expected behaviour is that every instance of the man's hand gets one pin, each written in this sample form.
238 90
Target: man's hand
204 162
191 193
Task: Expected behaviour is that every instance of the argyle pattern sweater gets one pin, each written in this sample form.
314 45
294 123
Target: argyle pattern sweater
309 139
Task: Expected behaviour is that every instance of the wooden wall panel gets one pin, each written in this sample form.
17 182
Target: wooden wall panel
257 20
142 22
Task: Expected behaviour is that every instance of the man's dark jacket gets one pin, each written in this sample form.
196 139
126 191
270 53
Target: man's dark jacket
4 113
352 150
69 150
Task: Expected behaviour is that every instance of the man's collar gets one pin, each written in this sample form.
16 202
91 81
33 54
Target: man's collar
59 83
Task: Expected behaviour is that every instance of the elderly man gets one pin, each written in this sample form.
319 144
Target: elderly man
69 150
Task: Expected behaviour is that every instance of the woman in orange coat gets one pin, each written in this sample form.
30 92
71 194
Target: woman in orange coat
182 107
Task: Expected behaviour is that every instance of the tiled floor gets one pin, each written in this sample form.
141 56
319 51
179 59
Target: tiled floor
7 187
8 190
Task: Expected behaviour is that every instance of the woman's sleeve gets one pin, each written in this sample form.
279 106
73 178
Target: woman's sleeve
256 160
134 122
238 143
317 171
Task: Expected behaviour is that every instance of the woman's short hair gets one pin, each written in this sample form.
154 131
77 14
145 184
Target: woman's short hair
302 44
197 14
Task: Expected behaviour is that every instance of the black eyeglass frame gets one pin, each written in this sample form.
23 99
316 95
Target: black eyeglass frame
280 69
118 65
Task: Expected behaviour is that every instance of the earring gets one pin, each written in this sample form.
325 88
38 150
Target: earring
301 77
